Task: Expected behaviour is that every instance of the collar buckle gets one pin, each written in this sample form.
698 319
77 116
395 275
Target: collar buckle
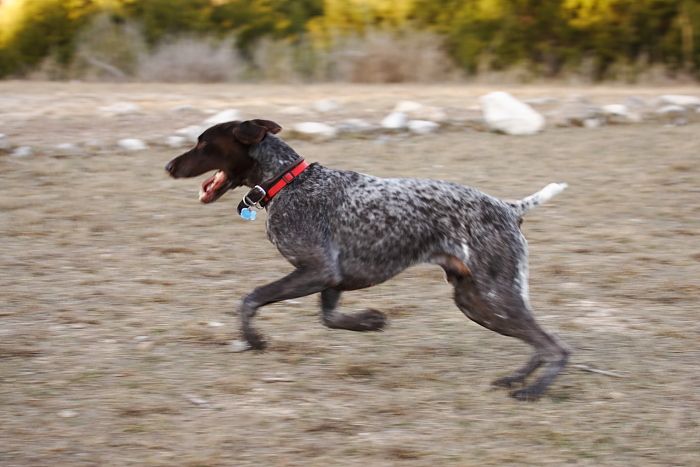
254 197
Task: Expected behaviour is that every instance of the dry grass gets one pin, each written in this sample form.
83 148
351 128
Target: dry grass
614 264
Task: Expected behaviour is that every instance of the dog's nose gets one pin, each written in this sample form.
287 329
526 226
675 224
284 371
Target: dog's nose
170 167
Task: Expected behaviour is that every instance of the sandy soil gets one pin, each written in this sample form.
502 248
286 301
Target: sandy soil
115 282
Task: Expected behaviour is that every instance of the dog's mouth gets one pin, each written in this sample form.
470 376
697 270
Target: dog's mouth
215 186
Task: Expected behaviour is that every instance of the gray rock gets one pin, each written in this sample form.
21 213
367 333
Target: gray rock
506 114
617 113
574 113
355 125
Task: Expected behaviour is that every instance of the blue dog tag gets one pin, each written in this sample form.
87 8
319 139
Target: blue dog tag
248 214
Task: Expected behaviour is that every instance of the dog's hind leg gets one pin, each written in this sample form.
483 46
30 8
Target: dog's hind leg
368 320
506 311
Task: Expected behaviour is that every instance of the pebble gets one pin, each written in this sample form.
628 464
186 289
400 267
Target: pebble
67 413
22 151
223 117
175 141
238 346
326 105
394 121
315 129
422 127
132 144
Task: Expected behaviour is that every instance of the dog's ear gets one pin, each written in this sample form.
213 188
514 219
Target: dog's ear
253 131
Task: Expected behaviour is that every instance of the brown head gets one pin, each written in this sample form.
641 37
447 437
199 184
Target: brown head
224 148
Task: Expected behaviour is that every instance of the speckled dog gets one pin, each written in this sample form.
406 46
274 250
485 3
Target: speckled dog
344 231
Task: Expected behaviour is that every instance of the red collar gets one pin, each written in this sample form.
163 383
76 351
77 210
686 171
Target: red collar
260 195
276 185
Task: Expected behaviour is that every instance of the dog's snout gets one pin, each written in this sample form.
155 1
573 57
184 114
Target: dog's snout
170 167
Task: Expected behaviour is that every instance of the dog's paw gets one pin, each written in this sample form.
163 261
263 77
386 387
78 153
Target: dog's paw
507 381
526 394
370 320
254 340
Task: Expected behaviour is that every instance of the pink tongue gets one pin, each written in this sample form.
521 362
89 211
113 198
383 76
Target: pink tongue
210 185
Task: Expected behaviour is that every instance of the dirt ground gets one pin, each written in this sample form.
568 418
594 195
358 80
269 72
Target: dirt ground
114 283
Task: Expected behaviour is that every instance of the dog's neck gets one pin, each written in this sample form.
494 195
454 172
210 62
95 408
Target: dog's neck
272 156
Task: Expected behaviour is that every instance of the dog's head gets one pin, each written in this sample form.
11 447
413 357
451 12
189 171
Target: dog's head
224 148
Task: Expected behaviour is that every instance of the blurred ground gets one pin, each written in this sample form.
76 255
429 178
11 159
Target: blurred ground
115 281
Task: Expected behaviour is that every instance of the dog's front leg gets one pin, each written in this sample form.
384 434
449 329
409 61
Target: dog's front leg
299 283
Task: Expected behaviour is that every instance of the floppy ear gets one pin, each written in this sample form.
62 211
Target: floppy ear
253 131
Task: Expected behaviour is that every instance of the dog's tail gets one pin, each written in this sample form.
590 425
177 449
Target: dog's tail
542 196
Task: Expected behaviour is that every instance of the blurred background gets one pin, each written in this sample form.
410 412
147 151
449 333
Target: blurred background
648 41
116 283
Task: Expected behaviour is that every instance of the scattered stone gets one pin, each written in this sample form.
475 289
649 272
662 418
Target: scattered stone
326 105
422 127
293 110
191 132
574 113
132 144
394 121
223 117
541 101
504 113
4 142
315 130
355 125
121 108
238 346
67 413
617 113
592 123
215 324
176 141
408 107
196 400
67 148
22 151
183 108
681 100
671 109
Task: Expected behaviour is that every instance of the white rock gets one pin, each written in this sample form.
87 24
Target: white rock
293 110
67 148
238 346
504 113
4 142
574 112
176 141
326 105
620 111
394 121
223 117
191 132
315 129
422 127
67 413
679 99
22 151
120 108
183 108
671 109
131 144
592 123
215 324
354 125
408 107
